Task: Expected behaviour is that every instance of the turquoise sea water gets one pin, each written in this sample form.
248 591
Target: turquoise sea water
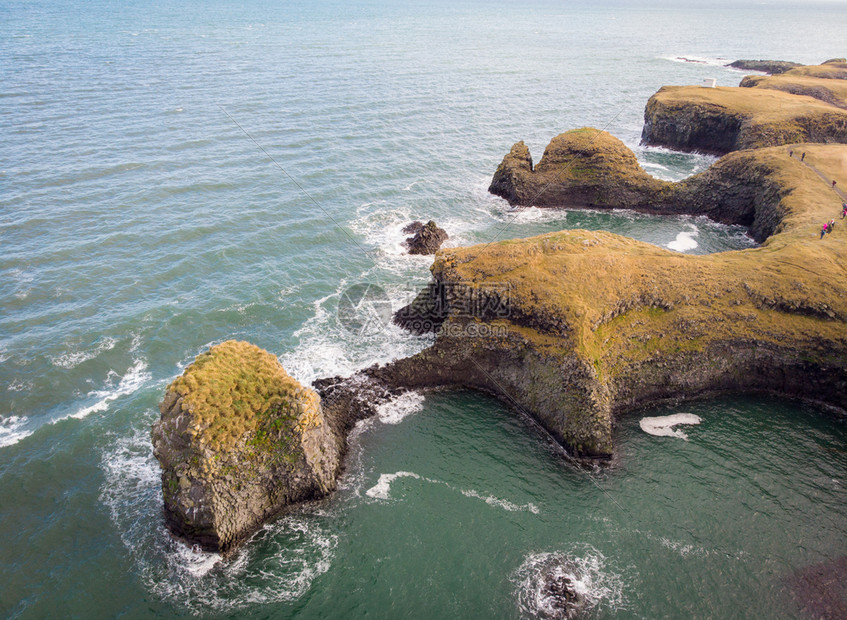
139 224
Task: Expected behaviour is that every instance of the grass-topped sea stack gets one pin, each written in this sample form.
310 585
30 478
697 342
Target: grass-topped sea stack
238 440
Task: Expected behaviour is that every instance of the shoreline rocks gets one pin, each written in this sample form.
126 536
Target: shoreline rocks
426 238
803 104
773 67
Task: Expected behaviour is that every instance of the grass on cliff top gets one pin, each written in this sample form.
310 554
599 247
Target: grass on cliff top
623 299
766 105
829 71
804 85
237 388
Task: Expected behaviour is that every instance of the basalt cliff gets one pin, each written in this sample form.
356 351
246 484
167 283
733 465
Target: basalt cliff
572 328
804 104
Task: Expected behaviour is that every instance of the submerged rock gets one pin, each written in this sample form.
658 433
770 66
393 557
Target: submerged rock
773 67
550 587
238 441
426 239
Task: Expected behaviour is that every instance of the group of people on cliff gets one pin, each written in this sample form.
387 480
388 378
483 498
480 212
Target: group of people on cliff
828 226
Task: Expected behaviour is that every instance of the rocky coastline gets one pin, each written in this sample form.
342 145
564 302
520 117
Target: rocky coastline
803 104
573 328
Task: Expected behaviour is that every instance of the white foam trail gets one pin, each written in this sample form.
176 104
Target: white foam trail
134 378
533 215
71 359
4 355
502 503
699 60
662 426
12 430
382 488
684 241
396 409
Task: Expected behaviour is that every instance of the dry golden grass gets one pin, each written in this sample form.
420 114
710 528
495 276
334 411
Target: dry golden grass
827 90
624 300
237 388
760 105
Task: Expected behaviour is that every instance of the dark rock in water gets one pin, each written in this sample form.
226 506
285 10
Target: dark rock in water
559 590
413 228
548 588
238 441
819 589
774 67
427 237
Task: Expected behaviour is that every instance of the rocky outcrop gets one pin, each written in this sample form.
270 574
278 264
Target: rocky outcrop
720 120
426 238
581 168
589 168
576 328
239 440
773 67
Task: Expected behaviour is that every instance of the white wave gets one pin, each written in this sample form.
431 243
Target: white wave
132 381
71 359
684 241
411 185
502 503
382 490
328 349
663 426
587 570
12 430
396 409
19 386
383 486
699 60
533 215
4 352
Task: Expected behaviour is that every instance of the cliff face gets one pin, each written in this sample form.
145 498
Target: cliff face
720 120
583 167
591 168
238 440
576 327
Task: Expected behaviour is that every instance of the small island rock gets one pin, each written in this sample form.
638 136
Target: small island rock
426 239
238 441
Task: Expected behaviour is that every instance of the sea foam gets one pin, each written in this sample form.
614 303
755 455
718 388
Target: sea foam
663 426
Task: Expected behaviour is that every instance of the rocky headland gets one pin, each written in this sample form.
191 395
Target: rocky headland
804 104
773 67
572 328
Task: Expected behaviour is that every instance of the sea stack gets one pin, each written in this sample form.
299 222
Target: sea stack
426 238
238 441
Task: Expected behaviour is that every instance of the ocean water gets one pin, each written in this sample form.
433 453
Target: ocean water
173 175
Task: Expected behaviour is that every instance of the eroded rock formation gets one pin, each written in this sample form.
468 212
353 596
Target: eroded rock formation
774 67
239 440
426 238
